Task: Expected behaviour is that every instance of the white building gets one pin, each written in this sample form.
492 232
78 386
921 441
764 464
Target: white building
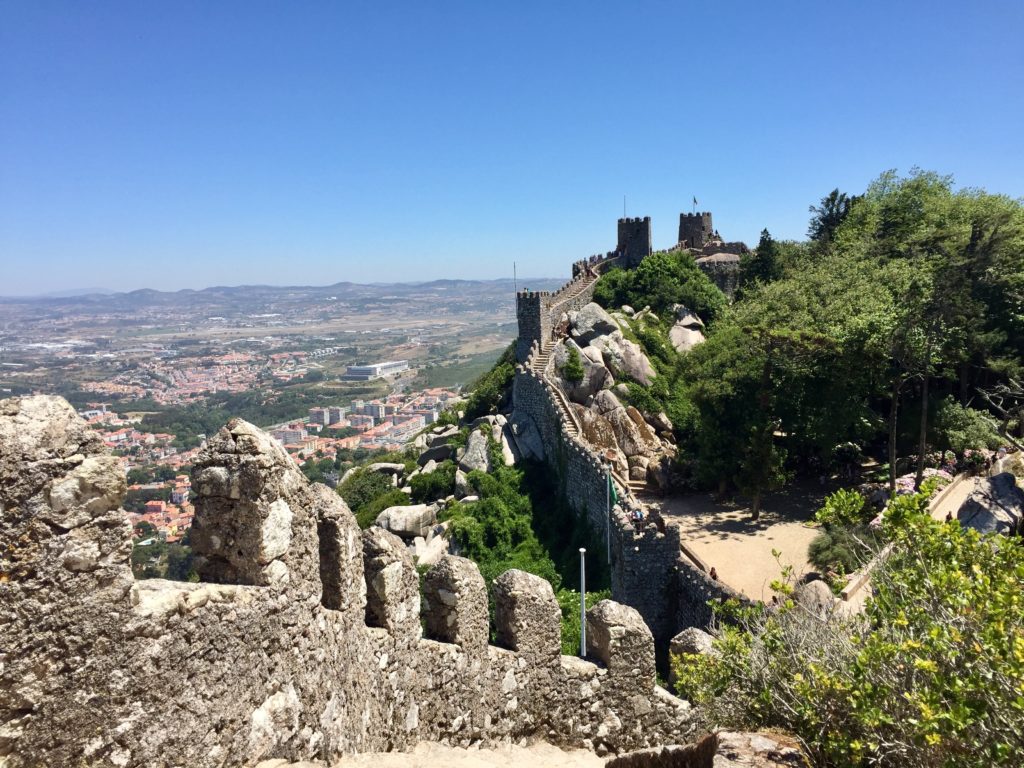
376 371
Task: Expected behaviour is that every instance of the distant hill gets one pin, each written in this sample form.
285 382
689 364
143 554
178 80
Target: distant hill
219 295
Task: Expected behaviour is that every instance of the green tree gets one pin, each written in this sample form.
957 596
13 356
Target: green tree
573 368
762 264
829 214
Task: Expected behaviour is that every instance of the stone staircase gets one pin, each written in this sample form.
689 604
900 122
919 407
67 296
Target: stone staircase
539 364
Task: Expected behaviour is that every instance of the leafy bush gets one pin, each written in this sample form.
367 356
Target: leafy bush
437 485
661 280
496 532
489 390
931 676
365 493
569 603
842 549
962 428
573 368
844 507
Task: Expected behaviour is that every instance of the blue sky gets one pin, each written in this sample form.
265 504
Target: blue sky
188 144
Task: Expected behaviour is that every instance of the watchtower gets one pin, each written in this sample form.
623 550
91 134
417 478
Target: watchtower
695 229
634 240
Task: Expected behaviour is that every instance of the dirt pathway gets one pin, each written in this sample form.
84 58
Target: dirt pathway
740 549
431 755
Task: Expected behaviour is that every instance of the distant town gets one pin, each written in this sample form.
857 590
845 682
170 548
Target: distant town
163 487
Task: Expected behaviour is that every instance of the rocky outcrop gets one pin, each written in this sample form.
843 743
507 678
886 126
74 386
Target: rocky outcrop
625 357
725 749
310 647
996 505
816 598
688 330
693 640
438 452
590 322
408 521
477 455
595 375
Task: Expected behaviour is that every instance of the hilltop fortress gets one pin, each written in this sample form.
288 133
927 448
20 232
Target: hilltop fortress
536 311
306 638
651 570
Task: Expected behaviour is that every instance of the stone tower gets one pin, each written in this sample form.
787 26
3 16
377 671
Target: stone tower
634 240
695 229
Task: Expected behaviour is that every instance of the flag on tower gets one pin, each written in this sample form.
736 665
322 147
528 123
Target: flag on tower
695 201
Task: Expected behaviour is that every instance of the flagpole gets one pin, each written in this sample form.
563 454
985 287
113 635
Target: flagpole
608 518
583 603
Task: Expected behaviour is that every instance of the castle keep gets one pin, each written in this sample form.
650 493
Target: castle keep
695 230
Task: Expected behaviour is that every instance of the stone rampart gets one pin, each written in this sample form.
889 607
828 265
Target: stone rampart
310 644
645 566
648 570
538 312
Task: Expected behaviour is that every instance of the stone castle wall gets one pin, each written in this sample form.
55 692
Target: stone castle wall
538 312
305 638
725 274
648 570
634 240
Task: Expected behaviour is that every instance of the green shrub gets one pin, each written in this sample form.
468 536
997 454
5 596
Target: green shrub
489 390
962 429
844 507
437 485
569 603
661 280
368 494
842 549
931 676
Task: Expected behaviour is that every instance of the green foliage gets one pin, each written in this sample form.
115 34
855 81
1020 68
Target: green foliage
932 677
368 494
661 280
842 548
368 512
961 428
569 603
437 485
843 507
316 470
829 215
161 560
573 368
762 265
489 390
496 532
701 678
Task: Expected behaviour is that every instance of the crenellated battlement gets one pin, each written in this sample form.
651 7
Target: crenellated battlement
634 240
696 229
314 642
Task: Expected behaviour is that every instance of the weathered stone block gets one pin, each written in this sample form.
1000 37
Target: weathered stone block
392 585
455 604
527 617
618 636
